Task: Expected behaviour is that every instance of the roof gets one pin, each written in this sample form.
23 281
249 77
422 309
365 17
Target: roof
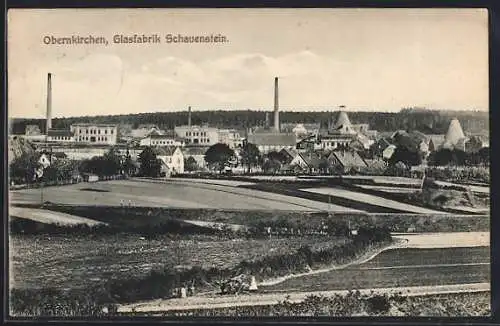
60 132
312 159
275 139
375 163
166 150
155 132
94 125
437 140
455 132
336 136
343 124
289 151
349 158
189 151
159 136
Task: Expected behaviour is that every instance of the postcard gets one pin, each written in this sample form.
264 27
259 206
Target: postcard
248 163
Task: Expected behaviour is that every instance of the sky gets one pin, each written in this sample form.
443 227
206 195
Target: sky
365 59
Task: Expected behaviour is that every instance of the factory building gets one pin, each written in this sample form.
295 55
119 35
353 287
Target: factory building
93 133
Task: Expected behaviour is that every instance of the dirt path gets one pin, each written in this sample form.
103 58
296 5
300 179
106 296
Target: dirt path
275 298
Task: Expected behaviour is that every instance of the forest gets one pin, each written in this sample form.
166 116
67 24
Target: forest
426 121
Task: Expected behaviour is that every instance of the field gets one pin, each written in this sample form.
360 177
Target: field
401 267
171 193
139 237
72 262
371 199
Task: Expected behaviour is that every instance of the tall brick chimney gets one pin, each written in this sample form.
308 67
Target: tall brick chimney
276 106
49 103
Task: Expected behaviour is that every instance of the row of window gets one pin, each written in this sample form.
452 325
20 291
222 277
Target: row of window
162 142
196 133
334 144
86 138
61 138
96 131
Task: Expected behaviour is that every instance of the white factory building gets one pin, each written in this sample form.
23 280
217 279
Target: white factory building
93 133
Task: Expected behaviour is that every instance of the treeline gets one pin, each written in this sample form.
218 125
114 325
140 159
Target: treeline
427 121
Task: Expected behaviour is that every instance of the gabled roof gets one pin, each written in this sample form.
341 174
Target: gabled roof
312 159
348 158
60 132
290 152
272 139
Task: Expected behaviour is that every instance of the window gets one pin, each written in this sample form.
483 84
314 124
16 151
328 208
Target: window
86 131
111 131
99 131
106 131
187 133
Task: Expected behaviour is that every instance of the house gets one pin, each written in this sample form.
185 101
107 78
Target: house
388 152
345 160
95 133
379 146
230 137
270 141
198 153
60 136
435 142
301 129
288 154
340 135
308 143
198 135
172 158
307 161
154 139
144 131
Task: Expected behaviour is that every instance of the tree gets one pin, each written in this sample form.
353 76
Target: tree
447 156
250 155
112 162
128 164
271 165
323 165
22 168
276 156
406 156
217 156
150 164
190 164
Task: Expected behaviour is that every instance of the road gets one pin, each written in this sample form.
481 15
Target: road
275 298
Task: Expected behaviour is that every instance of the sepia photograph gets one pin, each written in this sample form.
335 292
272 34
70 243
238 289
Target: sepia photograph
248 163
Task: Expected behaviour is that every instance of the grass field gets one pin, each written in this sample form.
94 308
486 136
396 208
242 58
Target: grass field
401 267
371 199
170 193
72 262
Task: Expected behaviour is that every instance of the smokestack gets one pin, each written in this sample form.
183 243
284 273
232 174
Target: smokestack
276 106
189 117
49 102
